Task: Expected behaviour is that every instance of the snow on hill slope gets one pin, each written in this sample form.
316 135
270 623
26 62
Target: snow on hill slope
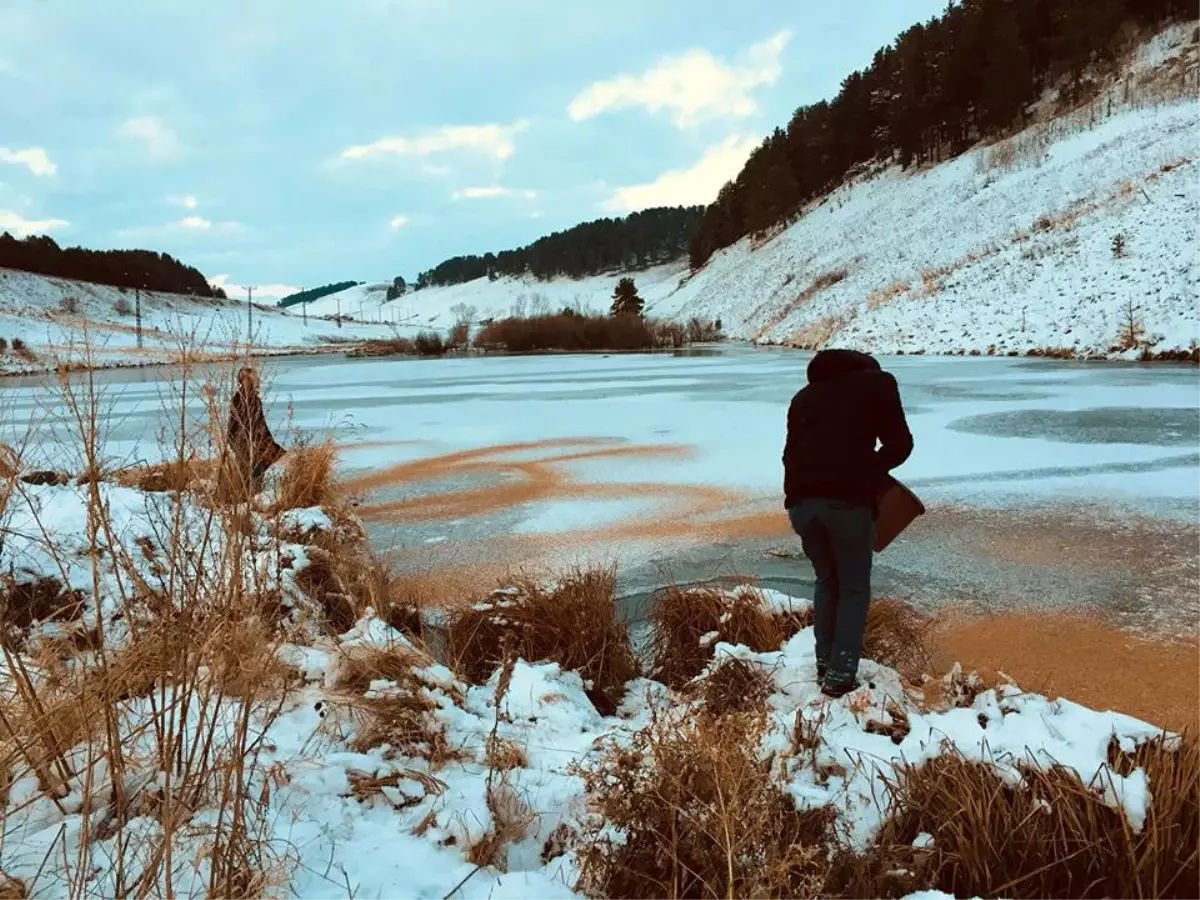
1079 235
52 315
441 307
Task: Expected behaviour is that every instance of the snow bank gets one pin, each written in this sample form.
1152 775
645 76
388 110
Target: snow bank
346 820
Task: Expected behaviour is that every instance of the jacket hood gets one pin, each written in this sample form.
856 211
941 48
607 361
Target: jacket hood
830 364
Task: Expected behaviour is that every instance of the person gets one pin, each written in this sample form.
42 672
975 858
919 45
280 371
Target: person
252 447
833 475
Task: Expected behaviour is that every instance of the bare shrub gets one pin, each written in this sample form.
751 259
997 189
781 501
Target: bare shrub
1053 835
69 305
23 350
702 332
3 345
574 332
429 343
699 816
122 307
668 334
574 623
395 346
460 336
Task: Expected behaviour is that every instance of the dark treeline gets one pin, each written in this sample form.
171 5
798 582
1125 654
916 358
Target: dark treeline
640 239
119 268
315 293
937 89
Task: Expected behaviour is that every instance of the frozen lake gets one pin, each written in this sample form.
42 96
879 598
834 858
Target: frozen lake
672 463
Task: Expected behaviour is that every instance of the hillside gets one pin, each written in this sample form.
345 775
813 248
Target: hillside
52 316
1011 247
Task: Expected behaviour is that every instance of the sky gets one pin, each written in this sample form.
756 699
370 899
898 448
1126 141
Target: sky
292 143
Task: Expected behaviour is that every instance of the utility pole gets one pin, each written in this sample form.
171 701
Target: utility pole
304 310
249 313
339 312
137 300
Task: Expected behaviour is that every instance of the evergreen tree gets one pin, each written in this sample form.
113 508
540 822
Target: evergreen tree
626 301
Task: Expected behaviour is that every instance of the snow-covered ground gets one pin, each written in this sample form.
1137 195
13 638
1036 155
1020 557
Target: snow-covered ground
990 252
54 317
340 818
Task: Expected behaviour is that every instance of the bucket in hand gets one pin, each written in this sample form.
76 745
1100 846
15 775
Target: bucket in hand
898 506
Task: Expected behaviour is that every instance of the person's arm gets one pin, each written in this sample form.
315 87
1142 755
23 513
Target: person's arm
895 440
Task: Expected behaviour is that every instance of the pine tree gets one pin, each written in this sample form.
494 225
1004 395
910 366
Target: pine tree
626 301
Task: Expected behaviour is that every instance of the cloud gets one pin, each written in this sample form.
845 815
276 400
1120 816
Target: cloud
484 193
398 222
686 187
22 227
161 141
187 201
195 222
435 170
33 158
490 140
691 88
263 293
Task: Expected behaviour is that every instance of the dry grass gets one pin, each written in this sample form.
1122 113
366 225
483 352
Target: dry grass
686 625
1053 836
699 816
820 283
734 687
897 635
173 475
815 335
12 888
398 716
574 623
878 299
307 479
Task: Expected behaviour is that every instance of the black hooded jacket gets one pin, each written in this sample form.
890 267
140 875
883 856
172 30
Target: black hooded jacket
833 425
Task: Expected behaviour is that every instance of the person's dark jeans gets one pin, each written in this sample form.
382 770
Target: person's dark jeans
838 539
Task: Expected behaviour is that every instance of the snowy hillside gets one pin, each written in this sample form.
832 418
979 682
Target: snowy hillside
1078 235
52 315
441 307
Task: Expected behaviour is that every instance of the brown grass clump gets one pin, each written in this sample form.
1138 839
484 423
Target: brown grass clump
1053 836
735 686
399 715
700 816
684 620
574 624
308 477
897 635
